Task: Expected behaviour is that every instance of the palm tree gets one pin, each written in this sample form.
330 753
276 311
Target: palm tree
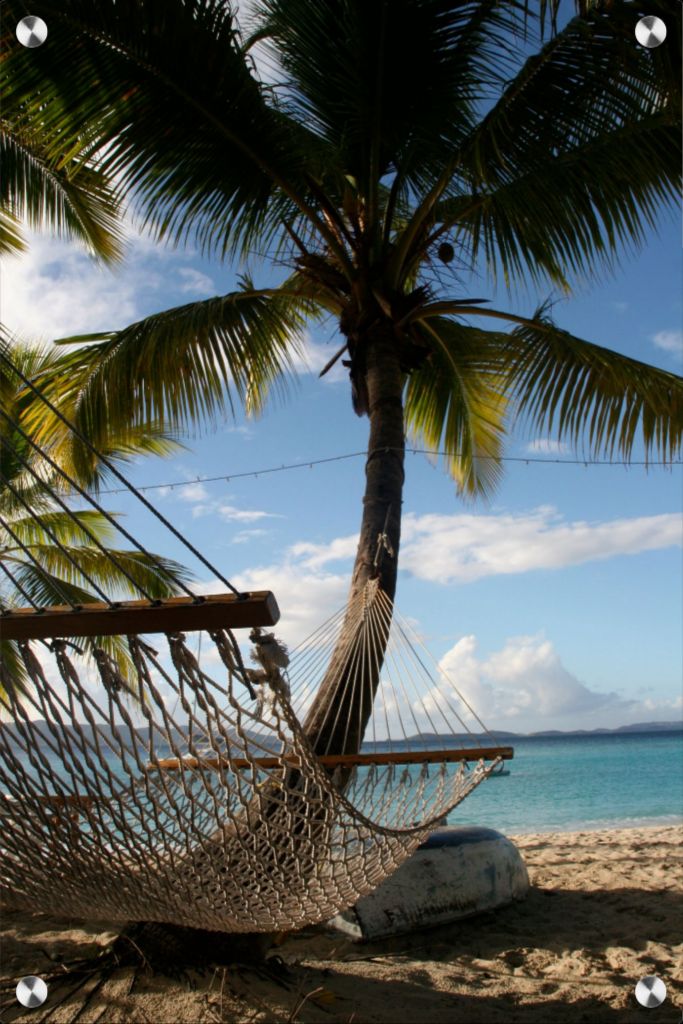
50 551
390 150
62 192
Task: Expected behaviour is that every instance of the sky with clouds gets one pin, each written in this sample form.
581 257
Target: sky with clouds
557 605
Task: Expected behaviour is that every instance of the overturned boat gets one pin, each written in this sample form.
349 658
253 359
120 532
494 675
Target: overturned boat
456 873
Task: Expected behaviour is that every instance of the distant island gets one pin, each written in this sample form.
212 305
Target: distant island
500 734
639 727
429 739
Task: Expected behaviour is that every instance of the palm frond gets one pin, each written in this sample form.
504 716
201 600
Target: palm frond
91 469
578 153
120 573
581 392
70 198
388 85
37 442
455 402
11 240
77 526
24 491
13 675
61 555
185 363
44 585
168 104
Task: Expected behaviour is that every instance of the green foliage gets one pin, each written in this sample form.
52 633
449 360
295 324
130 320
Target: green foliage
558 174
578 391
456 402
49 553
536 138
186 363
68 196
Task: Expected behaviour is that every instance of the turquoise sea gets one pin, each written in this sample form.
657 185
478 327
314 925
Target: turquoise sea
568 783
562 783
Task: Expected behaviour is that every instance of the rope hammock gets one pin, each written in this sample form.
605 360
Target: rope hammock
175 795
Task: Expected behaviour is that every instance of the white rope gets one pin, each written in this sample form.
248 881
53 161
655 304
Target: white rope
225 847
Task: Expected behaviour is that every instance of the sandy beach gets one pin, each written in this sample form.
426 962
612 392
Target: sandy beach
605 909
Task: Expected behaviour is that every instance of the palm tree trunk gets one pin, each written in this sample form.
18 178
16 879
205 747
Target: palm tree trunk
328 731
341 709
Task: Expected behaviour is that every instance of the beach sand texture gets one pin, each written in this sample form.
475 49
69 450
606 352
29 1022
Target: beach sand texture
605 909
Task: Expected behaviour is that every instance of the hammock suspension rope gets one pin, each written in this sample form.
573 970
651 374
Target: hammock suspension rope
218 813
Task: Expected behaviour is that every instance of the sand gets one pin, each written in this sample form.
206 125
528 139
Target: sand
605 909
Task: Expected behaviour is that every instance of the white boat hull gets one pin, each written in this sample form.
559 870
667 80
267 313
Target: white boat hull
458 872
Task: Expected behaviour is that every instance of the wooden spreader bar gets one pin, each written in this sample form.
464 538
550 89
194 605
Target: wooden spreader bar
175 614
348 760
53 799
74 805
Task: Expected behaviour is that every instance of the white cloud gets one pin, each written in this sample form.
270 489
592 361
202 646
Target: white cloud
193 492
546 446
315 355
246 536
529 668
195 282
56 289
465 548
239 515
196 494
227 512
669 341
525 687
315 556
306 600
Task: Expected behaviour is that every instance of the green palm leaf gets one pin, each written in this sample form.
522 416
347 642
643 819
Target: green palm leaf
69 197
13 674
574 388
11 240
45 440
387 84
456 402
547 163
186 363
546 166
580 391
120 573
51 554
556 218
76 526
221 169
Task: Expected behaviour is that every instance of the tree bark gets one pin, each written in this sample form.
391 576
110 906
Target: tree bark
340 711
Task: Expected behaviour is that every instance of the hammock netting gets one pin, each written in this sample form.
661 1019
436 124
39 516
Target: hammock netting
170 793
246 831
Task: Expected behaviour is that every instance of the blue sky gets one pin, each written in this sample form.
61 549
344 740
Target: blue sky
555 605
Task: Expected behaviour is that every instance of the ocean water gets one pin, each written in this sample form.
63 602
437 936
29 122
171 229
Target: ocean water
570 783
561 783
